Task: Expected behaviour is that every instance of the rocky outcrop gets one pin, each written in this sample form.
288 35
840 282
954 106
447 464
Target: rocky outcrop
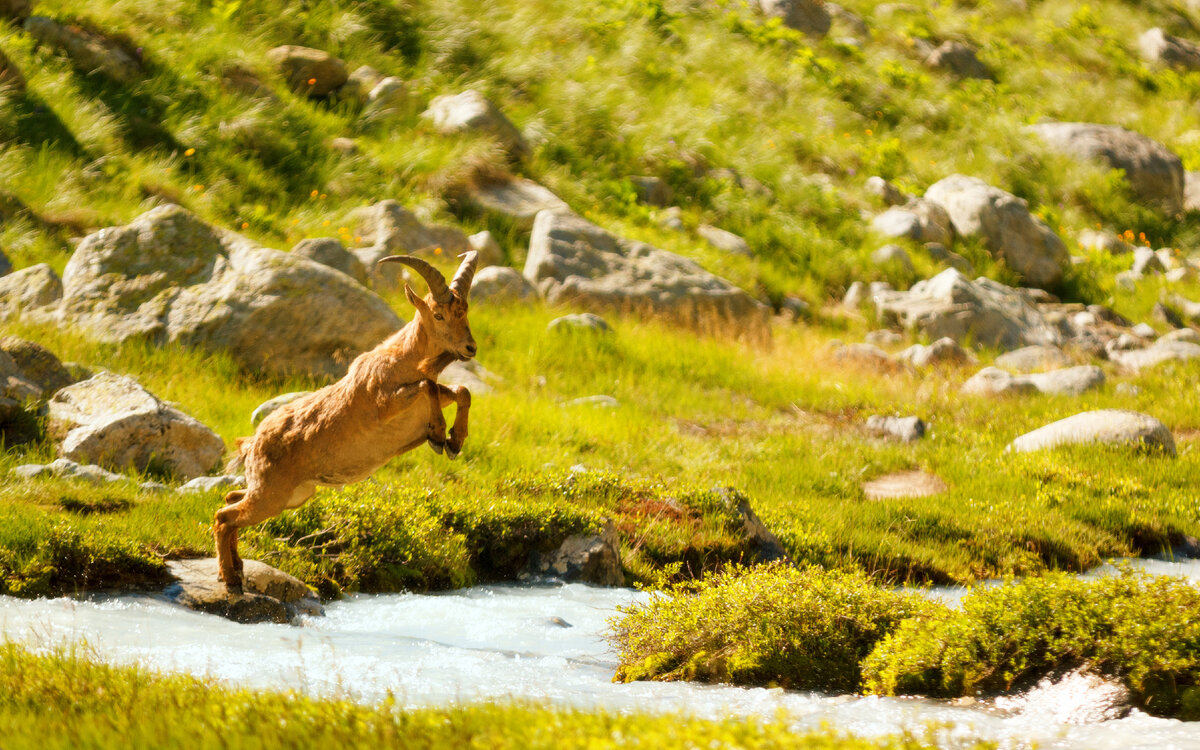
806 16
572 261
1154 173
329 252
472 112
1069 381
1157 46
501 284
170 277
89 51
34 290
113 421
387 228
983 311
270 595
1106 426
310 72
1003 223
959 60
517 199
589 559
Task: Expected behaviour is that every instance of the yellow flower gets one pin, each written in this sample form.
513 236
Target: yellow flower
314 194
189 152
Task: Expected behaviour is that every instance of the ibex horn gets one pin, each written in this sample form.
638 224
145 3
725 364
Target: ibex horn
462 280
432 276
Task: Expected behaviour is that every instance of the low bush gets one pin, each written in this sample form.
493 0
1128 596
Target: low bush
1141 629
801 628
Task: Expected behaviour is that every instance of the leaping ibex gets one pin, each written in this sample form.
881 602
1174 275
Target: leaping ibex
387 404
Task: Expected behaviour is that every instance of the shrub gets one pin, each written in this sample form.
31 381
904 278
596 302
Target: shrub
802 628
1141 629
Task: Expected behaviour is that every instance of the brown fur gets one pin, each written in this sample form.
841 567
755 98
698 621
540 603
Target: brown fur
388 403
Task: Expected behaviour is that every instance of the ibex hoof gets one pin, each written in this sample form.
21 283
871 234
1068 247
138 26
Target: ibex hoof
452 451
437 447
234 586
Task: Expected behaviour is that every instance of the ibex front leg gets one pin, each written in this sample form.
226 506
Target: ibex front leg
461 398
406 397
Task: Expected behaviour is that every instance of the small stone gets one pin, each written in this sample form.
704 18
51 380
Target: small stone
944 351
904 484
1145 331
31 471
310 72
866 355
904 429
1146 261
580 322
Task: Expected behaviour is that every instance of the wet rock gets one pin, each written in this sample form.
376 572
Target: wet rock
806 16
1004 224
1033 358
580 322
1154 173
1157 46
944 351
958 59
263 410
89 51
270 595
112 420
726 242
591 559
490 252
886 191
330 252
919 220
500 284
211 484
1092 239
904 429
652 191
309 72
904 484
1161 351
34 290
1106 426
517 199
170 277
892 255
1069 381
472 112
572 261
1078 697
984 311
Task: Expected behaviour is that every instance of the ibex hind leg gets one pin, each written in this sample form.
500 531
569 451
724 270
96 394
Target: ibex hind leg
243 508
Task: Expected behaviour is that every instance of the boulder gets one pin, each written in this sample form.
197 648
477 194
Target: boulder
490 252
1094 239
590 559
726 242
471 375
1033 358
572 261
1106 426
959 60
586 322
1003 222
310 72
31 290
940 254
922 221
806 16
389 228
500 284
329 252
265 408
113 421
867 356
33 364
1162 351
170 277
983 311
904 429
517 199
763 545
1154 173
270 595
89 51
1069 381
892 255
385 100
1159 47
652 191
472 112
211 484
944 351
1146 261
1190 335
1187 308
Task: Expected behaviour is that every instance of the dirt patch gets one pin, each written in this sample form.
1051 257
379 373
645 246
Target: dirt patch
904 484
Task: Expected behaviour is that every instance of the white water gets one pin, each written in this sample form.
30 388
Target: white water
504 643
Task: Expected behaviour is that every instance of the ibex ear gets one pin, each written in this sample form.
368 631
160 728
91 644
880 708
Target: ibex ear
417 302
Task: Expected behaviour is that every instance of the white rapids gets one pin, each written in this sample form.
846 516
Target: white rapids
543 644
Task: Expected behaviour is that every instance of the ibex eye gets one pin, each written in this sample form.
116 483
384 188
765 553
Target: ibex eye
436 316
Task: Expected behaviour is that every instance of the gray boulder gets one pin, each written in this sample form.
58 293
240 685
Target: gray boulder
1146 261
170 277
1070 381
211 484
329 252
113 421
959 60
472 112
904 429
39 373
310 72
591 559
1106 426
944 351
982 311
1163 350
725 241
263 410
33 290
500 284
517 199
270 595
806 16
922 221
1003 222
1033 358
88 51
385 100
490 252
1094 239
1154 173
1157 46
1191 191
572 261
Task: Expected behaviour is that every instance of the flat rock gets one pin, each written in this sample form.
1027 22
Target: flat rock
983 311
472 112
1162 351
572 261
170 277
501 284
310 72
1069 381
1106 426
904 484
112 420
1033 358
1004 224
904 429
88 51
518 199
270 595
590 559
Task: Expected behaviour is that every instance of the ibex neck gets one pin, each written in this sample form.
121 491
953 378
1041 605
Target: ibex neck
431 359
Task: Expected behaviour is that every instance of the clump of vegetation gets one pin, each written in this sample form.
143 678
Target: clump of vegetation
801 628
1141 629
68 560
64 700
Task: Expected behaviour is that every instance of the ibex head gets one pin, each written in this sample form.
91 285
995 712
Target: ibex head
443 313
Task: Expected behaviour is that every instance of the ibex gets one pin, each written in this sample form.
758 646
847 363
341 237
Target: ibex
388 403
